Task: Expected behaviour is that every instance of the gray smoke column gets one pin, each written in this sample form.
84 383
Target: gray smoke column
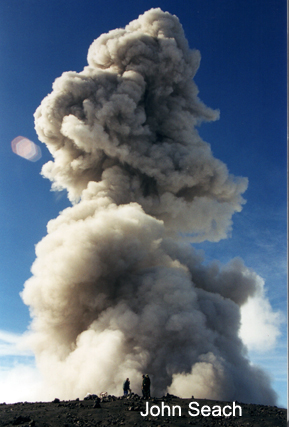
116 291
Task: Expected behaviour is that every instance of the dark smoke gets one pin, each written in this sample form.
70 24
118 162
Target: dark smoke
116 292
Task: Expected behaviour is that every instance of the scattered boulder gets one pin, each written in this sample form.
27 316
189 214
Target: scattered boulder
90 396
103 394
21 420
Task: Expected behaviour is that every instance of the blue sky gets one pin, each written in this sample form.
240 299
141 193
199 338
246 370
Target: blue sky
242 73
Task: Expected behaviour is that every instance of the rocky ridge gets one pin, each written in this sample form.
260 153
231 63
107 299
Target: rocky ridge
94 411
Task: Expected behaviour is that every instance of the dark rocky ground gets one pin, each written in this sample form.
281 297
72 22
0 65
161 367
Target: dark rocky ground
119 411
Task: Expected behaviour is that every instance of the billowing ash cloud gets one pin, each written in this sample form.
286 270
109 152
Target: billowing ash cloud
116 291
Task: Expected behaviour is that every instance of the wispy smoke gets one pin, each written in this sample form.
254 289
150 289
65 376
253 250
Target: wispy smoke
116 291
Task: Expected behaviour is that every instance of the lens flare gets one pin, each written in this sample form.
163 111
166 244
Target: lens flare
25 148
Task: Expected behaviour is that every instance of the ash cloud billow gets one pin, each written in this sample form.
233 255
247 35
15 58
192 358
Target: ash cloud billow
116 290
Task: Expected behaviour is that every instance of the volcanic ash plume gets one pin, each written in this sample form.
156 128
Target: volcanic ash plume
116 291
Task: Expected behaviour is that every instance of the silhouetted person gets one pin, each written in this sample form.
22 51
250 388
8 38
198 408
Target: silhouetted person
143 393
146 384
126 387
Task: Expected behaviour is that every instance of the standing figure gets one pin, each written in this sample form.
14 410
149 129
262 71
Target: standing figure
146 384
142 389
126 387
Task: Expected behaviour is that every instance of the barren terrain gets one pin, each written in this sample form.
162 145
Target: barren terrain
125 411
